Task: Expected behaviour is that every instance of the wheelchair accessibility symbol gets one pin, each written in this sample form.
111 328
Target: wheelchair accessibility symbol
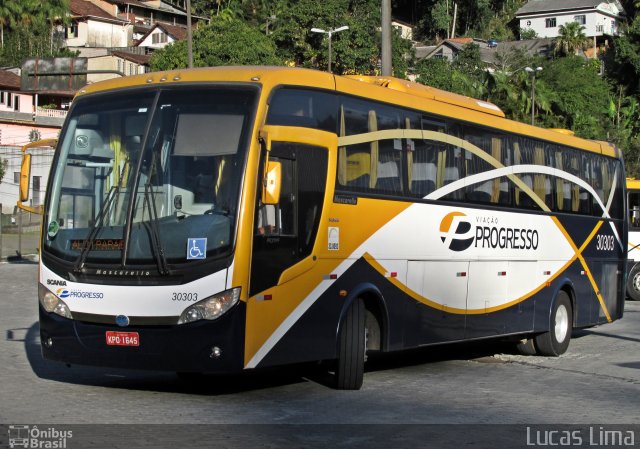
196 249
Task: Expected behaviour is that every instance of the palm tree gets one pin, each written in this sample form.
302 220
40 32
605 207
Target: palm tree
54 11
5 17
571 38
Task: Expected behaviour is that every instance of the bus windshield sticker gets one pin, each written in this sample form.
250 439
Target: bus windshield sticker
53 229
334 238
196 248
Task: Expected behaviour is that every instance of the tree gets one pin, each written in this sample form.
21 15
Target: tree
53 12
571 39
435 72
28 30
528 33
223 42
468 61
622 63
3 167
581 97
354 51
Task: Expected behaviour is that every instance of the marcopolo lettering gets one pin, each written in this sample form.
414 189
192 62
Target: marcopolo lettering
504 238
122 272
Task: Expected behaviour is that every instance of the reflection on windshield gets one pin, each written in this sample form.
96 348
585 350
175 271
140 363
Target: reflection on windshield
140 177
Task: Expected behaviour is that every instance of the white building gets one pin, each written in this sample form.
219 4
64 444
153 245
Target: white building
405 29
91 26
161 34
599 17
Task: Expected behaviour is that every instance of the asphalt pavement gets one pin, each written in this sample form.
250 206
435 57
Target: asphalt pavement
471 395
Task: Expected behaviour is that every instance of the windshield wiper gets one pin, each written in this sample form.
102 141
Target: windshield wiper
154 234
95 228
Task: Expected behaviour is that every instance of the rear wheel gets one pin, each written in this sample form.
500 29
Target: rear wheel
526 347
556 340
351 348
633 283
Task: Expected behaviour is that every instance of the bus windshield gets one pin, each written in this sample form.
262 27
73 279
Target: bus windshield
149 176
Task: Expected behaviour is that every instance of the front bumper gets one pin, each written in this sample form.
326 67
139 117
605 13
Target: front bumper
184 348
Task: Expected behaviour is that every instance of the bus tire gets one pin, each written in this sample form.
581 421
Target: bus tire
526 346
633 283
351 348
556 341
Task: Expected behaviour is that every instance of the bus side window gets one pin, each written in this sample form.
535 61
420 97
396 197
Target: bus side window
635 215
307 108
422 155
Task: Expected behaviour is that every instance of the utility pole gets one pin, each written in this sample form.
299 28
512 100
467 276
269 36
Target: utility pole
189 36
386 61
455 13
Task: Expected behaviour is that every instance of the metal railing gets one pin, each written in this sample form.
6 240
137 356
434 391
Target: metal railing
44 112
19 236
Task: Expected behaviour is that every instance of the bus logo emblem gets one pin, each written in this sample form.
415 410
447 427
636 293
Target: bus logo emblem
122 320
456 232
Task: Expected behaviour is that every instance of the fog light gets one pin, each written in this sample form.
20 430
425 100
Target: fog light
216 352
48 342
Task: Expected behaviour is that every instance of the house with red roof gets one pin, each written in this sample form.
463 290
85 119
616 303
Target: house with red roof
161 34
92 26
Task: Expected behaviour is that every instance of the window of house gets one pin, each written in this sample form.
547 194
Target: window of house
16 177
580 19
158 38
550 23
72 31
2 97
131 71
16 103
599 28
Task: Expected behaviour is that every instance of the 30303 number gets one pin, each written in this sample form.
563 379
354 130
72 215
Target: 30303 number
605 242
180 296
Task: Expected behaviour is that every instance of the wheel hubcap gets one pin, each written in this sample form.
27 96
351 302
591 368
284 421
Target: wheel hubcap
562 323
636 282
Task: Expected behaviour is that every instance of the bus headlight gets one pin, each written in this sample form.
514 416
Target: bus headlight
211 308
51 303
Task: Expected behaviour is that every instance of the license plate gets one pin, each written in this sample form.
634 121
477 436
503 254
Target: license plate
123 338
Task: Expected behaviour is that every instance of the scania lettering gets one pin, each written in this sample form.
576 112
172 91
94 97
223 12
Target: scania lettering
227 219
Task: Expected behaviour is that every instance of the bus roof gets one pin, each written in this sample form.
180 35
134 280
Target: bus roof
385 89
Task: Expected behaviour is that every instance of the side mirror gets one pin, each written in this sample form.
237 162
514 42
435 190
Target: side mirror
25 175
272 183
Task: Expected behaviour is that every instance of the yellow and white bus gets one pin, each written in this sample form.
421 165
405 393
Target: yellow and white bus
225 219
633 201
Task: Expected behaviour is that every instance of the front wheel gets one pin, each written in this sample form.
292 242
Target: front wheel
351 348
633 283
556 340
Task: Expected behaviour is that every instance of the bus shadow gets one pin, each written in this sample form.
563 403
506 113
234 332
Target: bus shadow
157 381
205 384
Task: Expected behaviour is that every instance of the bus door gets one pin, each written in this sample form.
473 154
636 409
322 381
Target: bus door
284 240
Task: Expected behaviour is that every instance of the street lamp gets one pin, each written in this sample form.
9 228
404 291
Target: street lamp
329 33
533 73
